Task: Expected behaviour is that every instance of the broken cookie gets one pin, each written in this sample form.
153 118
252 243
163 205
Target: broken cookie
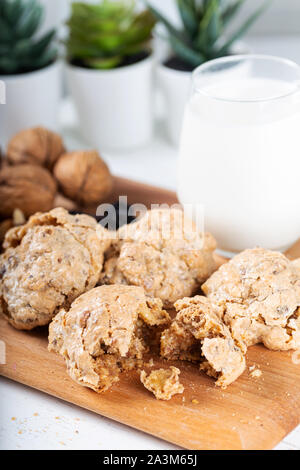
104 333
164 253
163 383
198 334
258 294
47 263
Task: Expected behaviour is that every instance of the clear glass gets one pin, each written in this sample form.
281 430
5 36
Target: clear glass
240 151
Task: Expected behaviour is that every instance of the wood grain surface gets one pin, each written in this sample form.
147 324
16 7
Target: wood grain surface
249 414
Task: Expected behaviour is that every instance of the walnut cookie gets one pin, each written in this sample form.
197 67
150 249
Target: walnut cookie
197 334
156 254
104 333
47 263
258 294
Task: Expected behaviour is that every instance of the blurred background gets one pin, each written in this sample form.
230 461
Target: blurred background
281 19
275 32
133 121
270 34
131 112
137 115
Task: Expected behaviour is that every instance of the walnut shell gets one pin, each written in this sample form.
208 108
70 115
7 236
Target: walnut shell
36 146
29 188
84 177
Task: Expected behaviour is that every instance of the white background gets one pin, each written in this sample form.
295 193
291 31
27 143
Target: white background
32 420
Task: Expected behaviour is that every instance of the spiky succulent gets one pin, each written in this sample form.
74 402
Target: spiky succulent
102 36
20 49
203 35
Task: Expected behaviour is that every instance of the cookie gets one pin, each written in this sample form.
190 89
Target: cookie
198 334
104 333
163 383
47 263
258 293
162 252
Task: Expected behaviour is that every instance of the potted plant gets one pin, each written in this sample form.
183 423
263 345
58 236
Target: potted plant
109 72
28 69
202 37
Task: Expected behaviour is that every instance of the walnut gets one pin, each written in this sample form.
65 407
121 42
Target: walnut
29 188
36 146
83 177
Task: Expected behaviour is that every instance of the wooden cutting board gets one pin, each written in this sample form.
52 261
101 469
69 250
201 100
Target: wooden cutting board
249 414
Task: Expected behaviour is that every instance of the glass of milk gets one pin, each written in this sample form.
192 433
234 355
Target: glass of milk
240 151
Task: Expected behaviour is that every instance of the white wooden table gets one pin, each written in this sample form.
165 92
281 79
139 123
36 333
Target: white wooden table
32 420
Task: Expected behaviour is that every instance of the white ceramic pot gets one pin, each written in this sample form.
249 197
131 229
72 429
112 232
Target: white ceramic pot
32 99
175 86
114 106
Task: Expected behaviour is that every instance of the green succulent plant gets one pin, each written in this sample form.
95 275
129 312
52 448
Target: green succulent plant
203 35
20 50
102 36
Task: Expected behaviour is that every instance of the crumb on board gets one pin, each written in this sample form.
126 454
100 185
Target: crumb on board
195 402
256 373
244 421
163 383
151 363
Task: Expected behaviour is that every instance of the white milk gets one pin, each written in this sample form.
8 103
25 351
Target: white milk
241 160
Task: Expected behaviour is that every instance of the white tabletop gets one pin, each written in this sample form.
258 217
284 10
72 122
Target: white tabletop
32 420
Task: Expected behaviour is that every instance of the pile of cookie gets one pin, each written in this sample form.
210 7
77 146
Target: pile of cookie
110 298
